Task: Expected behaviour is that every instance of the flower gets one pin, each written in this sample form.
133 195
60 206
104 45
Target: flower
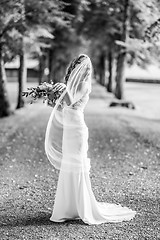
45 91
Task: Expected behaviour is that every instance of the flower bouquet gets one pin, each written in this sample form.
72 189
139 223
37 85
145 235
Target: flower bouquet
45 91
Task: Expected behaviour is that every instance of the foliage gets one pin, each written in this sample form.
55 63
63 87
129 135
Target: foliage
103 22
42 17
152 33
31 19
67 42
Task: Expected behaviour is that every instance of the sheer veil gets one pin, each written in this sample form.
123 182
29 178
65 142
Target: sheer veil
78 81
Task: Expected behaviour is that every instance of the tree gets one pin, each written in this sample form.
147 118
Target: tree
121 60
102 25
22 72
21 19
4 101
98 55
135 18
66 43
118 26
110 69
38 20
8 21
22 75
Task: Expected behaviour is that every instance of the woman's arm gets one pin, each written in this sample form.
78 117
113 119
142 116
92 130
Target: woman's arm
81 90
61 87
82 87
68 98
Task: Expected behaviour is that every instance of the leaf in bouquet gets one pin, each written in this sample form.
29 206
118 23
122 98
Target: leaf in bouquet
33 95
44 100
31 88
43 94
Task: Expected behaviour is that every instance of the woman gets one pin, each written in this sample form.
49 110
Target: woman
66 146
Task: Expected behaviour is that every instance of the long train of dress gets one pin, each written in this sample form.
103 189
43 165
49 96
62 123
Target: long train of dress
74 196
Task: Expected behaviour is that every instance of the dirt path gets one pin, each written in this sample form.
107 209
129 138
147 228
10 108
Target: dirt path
125 153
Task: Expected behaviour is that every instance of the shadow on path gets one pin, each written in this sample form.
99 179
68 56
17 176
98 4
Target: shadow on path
41 218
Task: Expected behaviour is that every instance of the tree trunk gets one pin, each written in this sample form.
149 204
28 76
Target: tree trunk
110 68
5 109
121 60
120 78
22 78
102 69
50 65
41 70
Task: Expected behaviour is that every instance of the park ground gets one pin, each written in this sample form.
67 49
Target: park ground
124 147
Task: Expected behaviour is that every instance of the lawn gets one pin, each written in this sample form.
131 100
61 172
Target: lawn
146 97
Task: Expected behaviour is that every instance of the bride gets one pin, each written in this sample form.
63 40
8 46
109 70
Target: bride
66 146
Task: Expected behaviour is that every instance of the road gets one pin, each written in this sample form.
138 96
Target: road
124 147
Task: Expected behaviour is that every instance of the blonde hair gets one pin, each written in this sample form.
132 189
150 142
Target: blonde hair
73 64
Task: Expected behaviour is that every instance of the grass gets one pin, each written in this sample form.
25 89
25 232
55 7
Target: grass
145 96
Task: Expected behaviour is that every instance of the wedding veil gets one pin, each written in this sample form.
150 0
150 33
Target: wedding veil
78 83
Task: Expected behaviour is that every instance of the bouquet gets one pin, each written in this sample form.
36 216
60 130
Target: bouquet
45 91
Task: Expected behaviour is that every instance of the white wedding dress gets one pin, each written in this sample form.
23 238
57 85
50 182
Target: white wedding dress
74 196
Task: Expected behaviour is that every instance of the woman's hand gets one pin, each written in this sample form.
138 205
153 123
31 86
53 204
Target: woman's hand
59 87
